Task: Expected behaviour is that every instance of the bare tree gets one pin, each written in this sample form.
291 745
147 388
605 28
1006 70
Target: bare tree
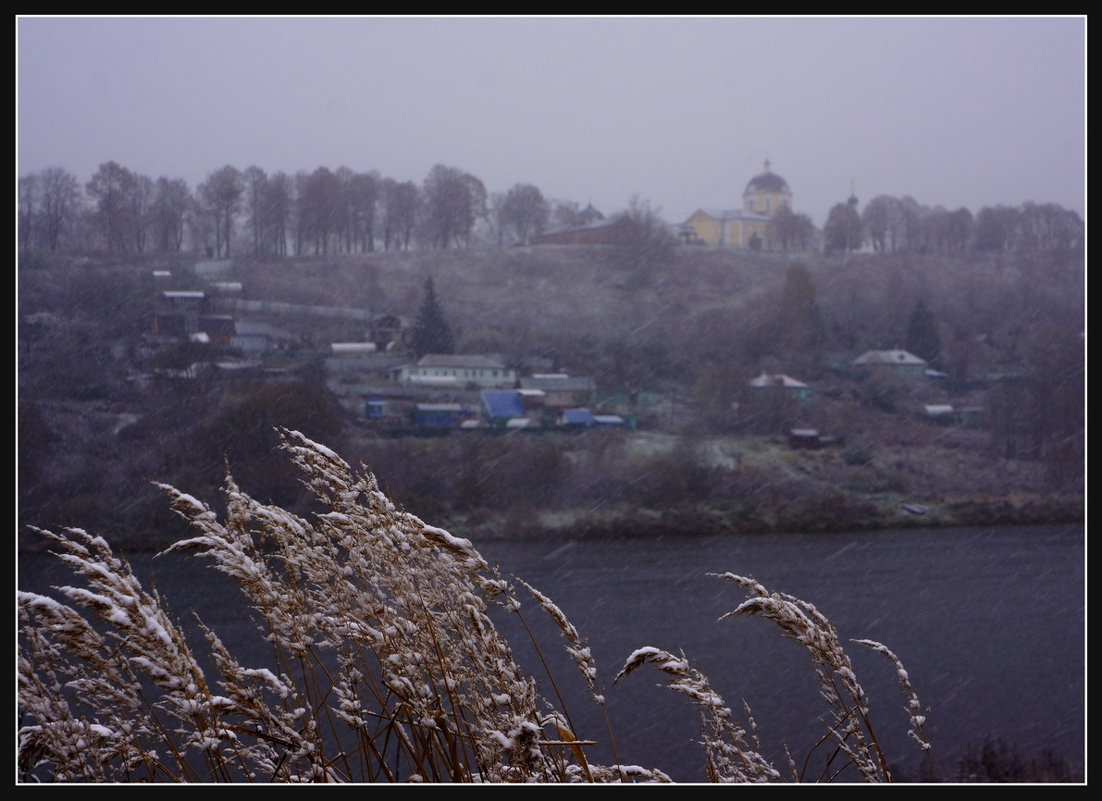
454 202
401 204
996 227
318 208
791 231
358 200
1047 226
221 196
109 190
28 210
524 211
565 214
843 231
276 211
60 204
646 241
495 217
49 203
141 198
170 209
255 181
878 219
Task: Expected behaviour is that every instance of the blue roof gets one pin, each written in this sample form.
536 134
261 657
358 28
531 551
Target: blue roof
502 403
578 417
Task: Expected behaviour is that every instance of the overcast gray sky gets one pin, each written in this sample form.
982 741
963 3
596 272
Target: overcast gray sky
681 111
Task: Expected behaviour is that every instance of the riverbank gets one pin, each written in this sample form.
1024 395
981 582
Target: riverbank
833 515
665 484
654 484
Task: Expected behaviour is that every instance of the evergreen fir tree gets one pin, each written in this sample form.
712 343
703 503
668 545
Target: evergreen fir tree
922 336
798 325
431 332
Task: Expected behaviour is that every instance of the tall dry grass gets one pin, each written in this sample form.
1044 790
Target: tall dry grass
386 665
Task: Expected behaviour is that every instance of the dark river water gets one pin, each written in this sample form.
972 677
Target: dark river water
989 622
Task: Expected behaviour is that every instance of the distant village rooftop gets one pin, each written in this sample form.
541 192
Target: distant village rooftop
776 380
459 360
888 357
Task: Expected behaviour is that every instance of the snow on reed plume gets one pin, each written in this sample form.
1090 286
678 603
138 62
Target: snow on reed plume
851 729
386 664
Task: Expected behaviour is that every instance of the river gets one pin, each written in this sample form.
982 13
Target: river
989 622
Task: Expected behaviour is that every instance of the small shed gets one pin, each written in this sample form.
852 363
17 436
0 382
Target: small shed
943 413
212 268
183 300
438 415
352 348
804 439
608 421
374 408
221 328
228 287
576 418
260 337
499 406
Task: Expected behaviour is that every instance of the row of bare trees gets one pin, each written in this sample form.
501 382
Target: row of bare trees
890 225
309 213
344 211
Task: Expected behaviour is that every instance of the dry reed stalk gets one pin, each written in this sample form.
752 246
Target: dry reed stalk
851 729
915 711
729 754
385 663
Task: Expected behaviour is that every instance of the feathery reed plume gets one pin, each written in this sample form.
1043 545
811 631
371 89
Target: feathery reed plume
851 730
577 649
385 664
915 710
728 753
67 666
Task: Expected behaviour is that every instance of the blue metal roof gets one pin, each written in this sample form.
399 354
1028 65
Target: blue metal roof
577 417
502 403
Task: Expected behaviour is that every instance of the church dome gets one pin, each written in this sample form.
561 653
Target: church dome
767 181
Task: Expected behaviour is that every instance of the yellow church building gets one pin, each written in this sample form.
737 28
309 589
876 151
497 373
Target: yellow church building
746 227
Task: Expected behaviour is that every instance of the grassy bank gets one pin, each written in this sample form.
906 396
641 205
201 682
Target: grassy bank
650 484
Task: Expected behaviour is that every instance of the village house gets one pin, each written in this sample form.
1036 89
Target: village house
592 228
389 332
256 338
455 370
193 301
186 314
560 390
504 408
793 389
899 362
